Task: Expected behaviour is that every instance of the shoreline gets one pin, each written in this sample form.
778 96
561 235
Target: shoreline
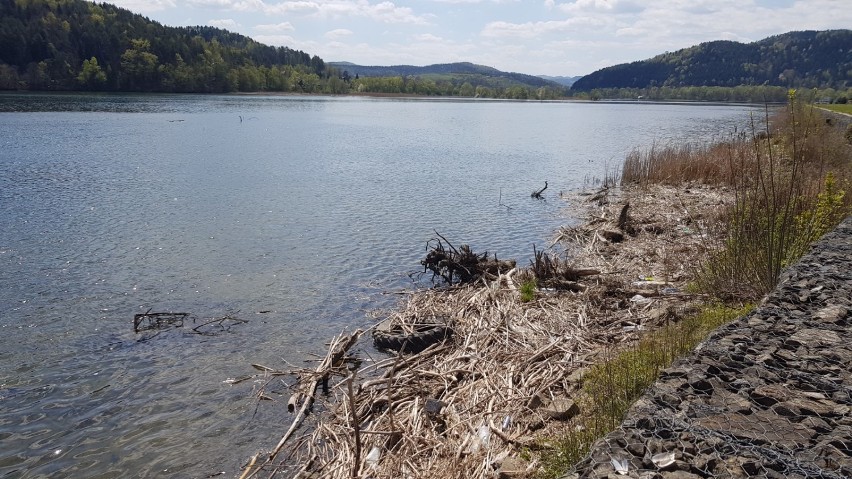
767 395
510 378
545 360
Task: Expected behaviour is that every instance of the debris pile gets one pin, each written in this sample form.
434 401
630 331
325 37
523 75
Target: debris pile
503 372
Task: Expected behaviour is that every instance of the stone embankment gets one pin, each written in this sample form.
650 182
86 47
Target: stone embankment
769 395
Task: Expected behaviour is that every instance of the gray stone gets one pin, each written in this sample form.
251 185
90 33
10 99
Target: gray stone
770 394
805 407
561 408
512 468
761 427
815 338
679 475
831 314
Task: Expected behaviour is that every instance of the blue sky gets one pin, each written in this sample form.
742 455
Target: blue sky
543 37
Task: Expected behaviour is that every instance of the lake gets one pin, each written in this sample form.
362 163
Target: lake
276 222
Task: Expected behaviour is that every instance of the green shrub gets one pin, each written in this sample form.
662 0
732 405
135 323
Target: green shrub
785 200
527 290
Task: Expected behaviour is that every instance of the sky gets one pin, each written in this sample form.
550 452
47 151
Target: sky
542 37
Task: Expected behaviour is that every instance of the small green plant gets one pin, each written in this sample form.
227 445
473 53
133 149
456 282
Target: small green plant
527 290
827 211
610 388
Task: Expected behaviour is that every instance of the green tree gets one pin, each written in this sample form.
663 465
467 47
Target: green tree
92 76
139 66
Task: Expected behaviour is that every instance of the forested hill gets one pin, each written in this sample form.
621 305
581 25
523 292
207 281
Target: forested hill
451 69
808 59
75 44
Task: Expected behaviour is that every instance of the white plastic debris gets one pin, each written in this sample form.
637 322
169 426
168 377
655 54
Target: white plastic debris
640 299
373 457
507 423
621 465
484 434
663 459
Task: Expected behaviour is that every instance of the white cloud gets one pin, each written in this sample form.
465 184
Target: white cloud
277 40
225 23
538 29
211 3
338 33
275 28
145 6
384 12
426 37
601 6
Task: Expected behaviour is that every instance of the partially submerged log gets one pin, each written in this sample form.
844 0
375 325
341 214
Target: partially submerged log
537 194
334 359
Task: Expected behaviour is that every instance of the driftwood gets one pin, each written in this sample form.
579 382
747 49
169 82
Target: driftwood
306 391
462 265
217 325
537 194
601 196
624 219
553 272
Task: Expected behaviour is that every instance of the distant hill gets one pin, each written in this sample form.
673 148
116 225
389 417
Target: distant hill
80 45
807 59
567 81
463 71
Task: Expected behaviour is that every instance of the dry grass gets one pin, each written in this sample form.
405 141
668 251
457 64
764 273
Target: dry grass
459 409
676 165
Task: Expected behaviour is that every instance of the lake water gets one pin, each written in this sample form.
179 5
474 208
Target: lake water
306 209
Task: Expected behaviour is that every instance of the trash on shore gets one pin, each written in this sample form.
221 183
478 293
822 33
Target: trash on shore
510 371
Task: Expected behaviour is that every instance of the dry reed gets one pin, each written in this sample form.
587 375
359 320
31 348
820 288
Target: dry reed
506 378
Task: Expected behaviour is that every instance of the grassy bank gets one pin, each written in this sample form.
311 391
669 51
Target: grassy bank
788 183
839 108
611 387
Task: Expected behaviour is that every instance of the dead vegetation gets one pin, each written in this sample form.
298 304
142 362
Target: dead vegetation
462 265
480 402
477 403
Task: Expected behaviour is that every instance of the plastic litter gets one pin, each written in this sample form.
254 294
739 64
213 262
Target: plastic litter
484 434
640 299
621 466
663 459
373 456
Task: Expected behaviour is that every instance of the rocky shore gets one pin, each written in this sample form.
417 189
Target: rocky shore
769 395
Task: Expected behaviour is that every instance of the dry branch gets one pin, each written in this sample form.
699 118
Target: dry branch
462 265
457 408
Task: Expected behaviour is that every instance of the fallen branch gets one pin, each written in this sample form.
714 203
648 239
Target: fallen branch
334 358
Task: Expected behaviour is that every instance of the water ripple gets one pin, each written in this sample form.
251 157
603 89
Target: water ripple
111 208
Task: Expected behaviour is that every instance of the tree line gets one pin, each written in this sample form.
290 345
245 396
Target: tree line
78 45
738 94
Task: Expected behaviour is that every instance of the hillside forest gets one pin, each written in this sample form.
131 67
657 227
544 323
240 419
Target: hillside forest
70 45
63 45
